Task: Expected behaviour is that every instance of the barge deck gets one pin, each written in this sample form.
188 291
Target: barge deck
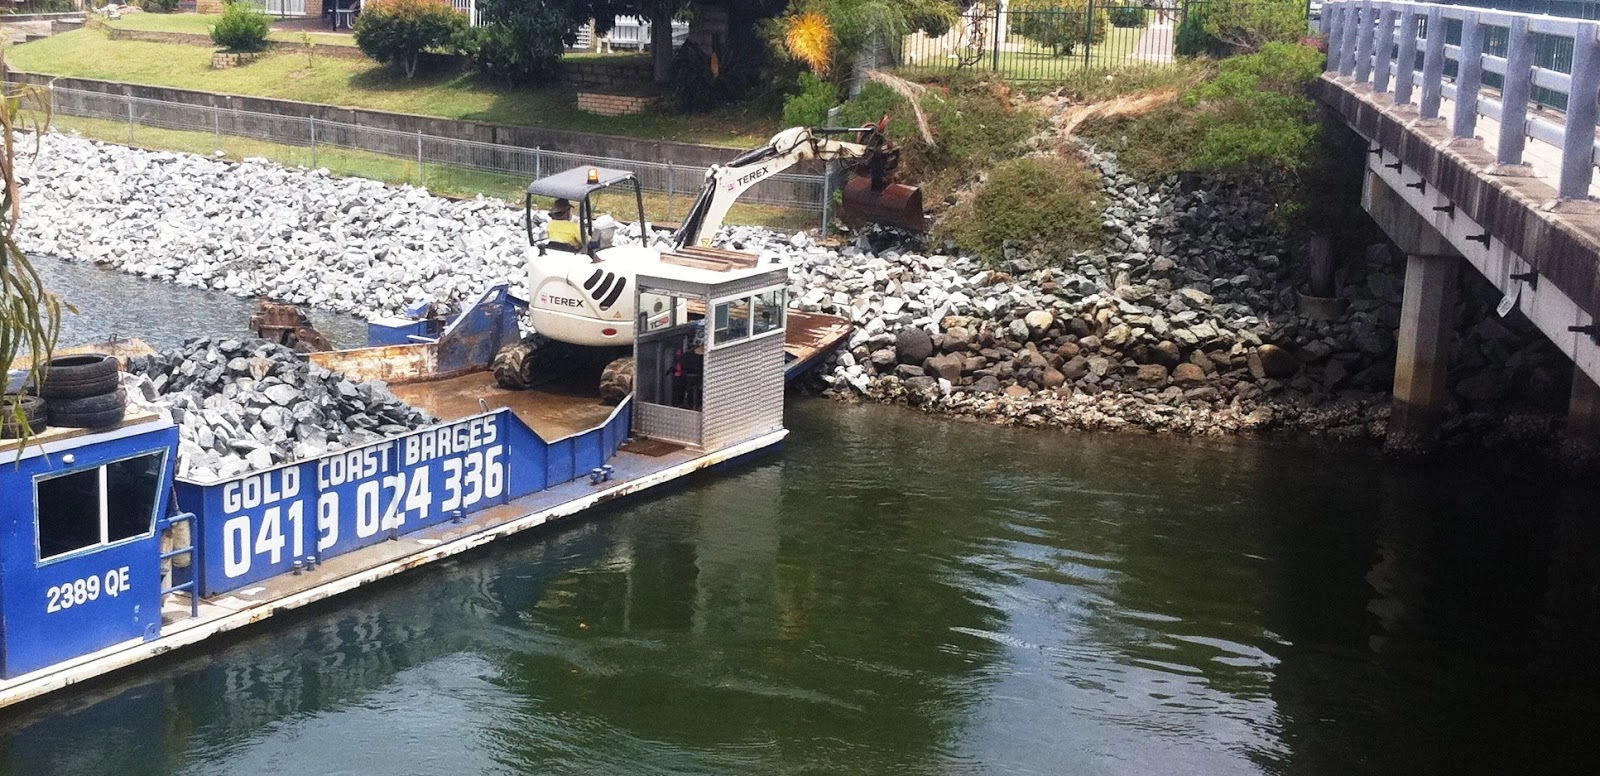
107 558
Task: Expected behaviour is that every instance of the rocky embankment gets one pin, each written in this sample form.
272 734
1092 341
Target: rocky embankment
1188 320
258 229
248 404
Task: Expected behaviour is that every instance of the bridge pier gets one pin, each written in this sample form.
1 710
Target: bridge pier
1583 411
1422 360
1427 317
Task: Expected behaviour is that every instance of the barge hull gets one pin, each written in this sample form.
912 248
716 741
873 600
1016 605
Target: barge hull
635 472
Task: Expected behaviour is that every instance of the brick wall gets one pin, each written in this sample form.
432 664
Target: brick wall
615 104
608 76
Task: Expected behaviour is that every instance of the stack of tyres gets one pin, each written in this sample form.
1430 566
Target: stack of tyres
30 408
83 391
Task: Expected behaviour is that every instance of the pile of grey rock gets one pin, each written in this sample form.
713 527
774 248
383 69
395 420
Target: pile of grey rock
1188 320
248 404
259 229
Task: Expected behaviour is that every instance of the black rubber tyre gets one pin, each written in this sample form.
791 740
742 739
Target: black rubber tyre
32 409
73 377
520 365
616 382
99 419
88 405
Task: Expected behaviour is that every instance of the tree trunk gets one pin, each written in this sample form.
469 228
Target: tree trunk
661 44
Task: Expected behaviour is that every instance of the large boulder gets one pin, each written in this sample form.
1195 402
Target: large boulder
946 367
1188 374
913 345
1276 362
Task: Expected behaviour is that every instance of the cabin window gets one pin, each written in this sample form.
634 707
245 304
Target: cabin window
732 321
662 311
768 312
98 506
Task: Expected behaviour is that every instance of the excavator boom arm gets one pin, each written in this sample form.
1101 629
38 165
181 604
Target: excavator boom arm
725 183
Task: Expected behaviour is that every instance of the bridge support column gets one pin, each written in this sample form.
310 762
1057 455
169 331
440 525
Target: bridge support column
1427 319
1583 412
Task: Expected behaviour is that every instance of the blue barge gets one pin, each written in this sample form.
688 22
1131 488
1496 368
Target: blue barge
108 559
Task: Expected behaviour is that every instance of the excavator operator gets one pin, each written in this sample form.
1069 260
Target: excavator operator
562 230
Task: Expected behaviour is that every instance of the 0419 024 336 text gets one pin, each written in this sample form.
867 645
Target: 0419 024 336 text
360 495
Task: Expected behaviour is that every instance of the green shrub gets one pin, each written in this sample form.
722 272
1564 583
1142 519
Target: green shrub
1128 16
1192 40
398 31
1059 24
241 28
157 6
1244 26
810 107
1256 112
524 48
1049 202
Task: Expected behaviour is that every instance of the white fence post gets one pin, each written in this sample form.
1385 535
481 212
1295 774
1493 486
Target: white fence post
1518 85
1405 69
1577 150
1469 78
130 118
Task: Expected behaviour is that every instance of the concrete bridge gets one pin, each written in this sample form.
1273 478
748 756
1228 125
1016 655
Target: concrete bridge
1481 154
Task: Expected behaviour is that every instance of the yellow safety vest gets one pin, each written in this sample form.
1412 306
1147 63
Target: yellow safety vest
565 232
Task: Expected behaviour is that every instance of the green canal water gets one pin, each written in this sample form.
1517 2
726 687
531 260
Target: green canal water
898 594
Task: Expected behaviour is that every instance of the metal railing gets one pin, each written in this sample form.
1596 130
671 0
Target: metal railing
1405 47
1048 44
425 158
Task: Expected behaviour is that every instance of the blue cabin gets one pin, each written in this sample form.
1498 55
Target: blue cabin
80 550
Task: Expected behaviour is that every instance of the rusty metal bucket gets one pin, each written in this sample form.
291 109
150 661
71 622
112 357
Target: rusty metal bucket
894 205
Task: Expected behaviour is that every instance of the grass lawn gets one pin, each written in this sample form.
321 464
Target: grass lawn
200 24
363 84
438 178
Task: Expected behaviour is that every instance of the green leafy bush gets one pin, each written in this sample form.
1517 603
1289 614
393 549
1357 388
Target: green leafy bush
1128 16
1192 40
1050 202
810 107
1256 113
241 28
521 49
1062 25
157 6
1244 26
398 31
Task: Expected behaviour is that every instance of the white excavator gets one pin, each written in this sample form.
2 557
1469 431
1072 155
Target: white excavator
581 300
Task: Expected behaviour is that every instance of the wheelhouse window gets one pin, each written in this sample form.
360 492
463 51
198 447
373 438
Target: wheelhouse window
767 314
732 321
99 506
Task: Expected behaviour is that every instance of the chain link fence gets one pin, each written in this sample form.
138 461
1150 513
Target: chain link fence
445 164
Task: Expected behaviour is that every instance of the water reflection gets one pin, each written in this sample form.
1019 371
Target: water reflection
895 594
111 304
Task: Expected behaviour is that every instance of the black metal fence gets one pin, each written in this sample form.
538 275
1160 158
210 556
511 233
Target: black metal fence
1049 44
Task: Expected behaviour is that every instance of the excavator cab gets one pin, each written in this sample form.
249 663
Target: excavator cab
577 185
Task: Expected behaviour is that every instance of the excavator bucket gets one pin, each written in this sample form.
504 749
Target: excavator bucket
896 204
870 198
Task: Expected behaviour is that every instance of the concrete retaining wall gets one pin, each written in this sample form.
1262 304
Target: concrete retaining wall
688 154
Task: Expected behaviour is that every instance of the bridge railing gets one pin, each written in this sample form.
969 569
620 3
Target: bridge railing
1518 69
